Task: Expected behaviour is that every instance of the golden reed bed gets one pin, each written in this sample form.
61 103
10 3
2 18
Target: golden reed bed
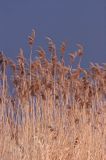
50 111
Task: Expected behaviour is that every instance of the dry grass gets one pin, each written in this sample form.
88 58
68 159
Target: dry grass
53 112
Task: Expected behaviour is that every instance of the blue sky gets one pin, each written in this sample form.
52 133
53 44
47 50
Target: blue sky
77 21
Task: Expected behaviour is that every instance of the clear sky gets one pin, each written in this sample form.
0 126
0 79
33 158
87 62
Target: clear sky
77 21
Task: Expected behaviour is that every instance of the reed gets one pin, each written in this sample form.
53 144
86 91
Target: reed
51 111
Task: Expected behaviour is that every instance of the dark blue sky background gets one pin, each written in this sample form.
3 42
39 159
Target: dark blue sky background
77 21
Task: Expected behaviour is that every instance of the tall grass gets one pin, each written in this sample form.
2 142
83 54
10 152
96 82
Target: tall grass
51 111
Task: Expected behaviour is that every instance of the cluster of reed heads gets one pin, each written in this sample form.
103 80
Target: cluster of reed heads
48 108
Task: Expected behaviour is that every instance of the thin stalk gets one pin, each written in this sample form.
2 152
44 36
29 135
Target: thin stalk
30 64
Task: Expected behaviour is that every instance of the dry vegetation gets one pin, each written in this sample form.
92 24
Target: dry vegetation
52 112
